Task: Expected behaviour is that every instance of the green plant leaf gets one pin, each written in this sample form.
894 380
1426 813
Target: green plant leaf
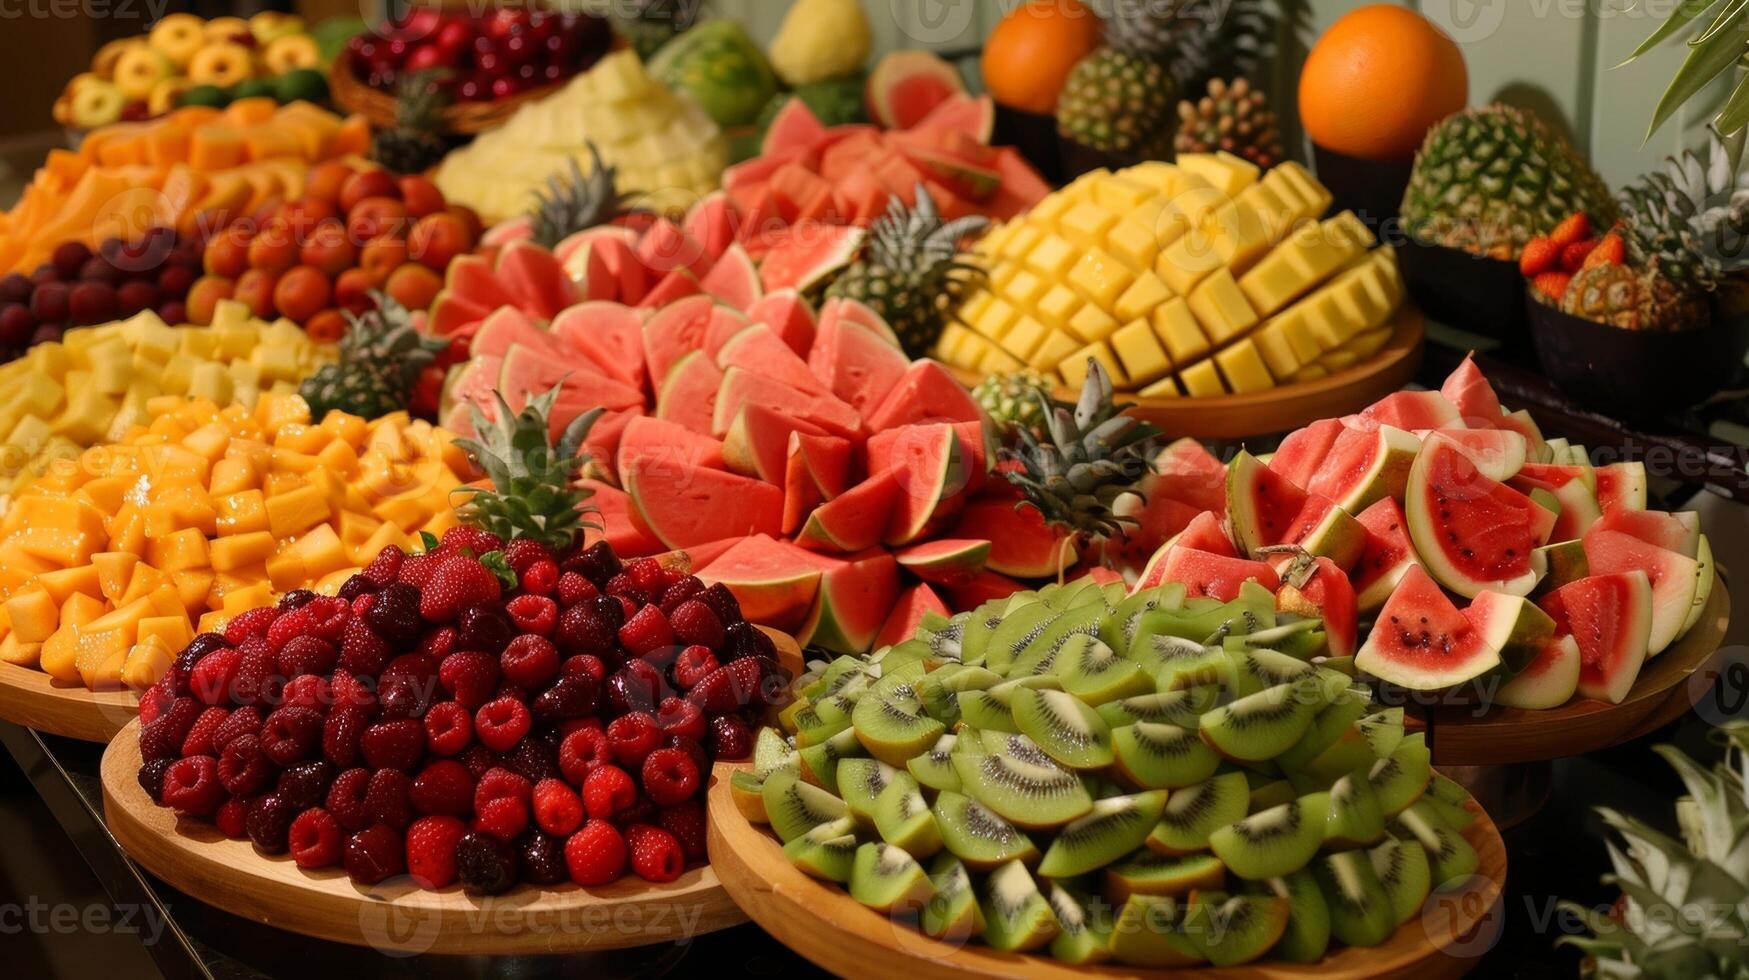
1677 20
427 541
499 566
1732 118
1722 21
1705 62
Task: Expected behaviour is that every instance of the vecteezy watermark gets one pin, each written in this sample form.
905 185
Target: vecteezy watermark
1464 919
933 21
37 917
410 924
147 11
1719 690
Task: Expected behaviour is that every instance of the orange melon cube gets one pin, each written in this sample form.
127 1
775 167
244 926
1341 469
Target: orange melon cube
387 533
172 630
186 548
147 661
143 583
295 511
285 570
193 587
34 615
233 474
320 551
215 146
63 582
251 111
114 570
239 600
242 550
241 513
17 652
127 530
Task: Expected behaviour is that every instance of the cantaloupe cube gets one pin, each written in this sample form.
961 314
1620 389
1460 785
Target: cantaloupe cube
105 492
34 615
114 570
407 513
285 570
440 522
385 535
147 661
1243 368
242 550
295 511
249 597
127 530
1091 323
19 653
60 530
241 513
142 583
1100 277
320 551
63 582
214 621
1202 380
1177 329
193 585
1144 360
1221 308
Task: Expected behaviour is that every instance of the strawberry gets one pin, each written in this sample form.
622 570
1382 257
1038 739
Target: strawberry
1574 228
458 583
1611 250
1573 255
1552 284
1538 257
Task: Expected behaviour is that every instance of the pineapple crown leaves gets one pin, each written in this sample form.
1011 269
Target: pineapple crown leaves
1086 458
574 200
1698 213
1717 47
534 493
913 237
418 97
387 334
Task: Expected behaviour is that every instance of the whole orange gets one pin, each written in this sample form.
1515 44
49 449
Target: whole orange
1029 55
1377 79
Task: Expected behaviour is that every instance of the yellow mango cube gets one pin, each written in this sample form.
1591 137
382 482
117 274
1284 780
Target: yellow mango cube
146 662
1021 242
63 582
1091 323
1166 387
1022 339
1224 171
1024 288
1100 278
1133 241
1057 306
1074 368
1052 257
1314 197
1238 234
1278 352
1243 368
1138 301
1177 329
998 318
1144 360
1185 262
1221 308
1051 353
1202 380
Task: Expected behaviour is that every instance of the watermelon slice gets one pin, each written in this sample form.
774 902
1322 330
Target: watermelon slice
670 289
1519 627
1471 394
926 393
1021 543
611 335
734 279
856 520
674 332
1536 449
1674 579
855 363
1322 528
698 556
786 312
1548 681
1612 619
470 278
1205 574
856 594
526 371
623 530
822 460
1262 506
741 387
1387 556
711 223
1570 486
914 603
972 116
946 561
807 253
1472 533
666 446
1423 643
759 350
534 276
1363 466
906 86
1206 532
1317 587
1158 519
930 471
1621 486
775 582
1304 451
509 327
1499 454
689 395
724 325
1412 411
1678 532
794 130
665 248
685 505
758 441
1188 472
986 587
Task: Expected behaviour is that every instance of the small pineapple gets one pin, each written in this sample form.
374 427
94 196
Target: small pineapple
1633 299
1084 460
909 272
534 491
381 358
1692 219
1117 102
574 200
1017 399
1232 117
415 142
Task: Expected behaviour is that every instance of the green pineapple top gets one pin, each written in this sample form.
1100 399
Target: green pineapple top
909 271
534 493
381 358
1690 219
574 200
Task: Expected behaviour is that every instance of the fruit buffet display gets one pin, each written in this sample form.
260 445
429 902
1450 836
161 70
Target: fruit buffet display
484 56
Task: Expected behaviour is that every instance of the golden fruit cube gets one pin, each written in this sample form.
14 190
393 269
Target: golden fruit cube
186 548
1243 368
295 511
320 551
1091 323
998 318
1238 234
80 609
1221 308
1139 350
1100 278
1120 195
1043 215
1339 360
242 550
1025 336
1050 353
975 304
1273 213
1146 293
1166 387
1057 306
1176 327
407 513
1052 257
1315 197
1185 262
147 661
63 582
996 361
248 597
1020 243
1278 352
1369 343
385 535
1024 288
1202 380
1326 322
19 653
1134 243
1224 171
193 585
1074 368
241 513
115 569
34 615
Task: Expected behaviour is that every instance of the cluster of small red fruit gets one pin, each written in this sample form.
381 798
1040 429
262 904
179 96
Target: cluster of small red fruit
491 57
353 231
80 286
1550 261
434 720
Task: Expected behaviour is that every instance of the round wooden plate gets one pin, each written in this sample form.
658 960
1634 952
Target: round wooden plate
31 698
398 916
1284 408
1465 735
822 922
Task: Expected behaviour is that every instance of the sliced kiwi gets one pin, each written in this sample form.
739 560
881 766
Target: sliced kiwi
952 912
978 835
1328 727
980 626
1211 621
1064 726
1301 638
1307 935
1030 795
1234 929
1018 746
887 879
772 752
1449 856
1355 819
989 708
893 726
934 768
826 851
1259 726
1194 812
1450 801
1016 916
1040 655
1158 756
904 820
1251 670
860 782
1146 932
1017 629
1267 793
1119 629
940 691
1361 913
1093 672
1400 778
819 763
914 654
822 719
745 790
1083 927
1273 842
1116 826
794 807
842 671
1404 872
1147 873
1382 729
1180 707
1174 662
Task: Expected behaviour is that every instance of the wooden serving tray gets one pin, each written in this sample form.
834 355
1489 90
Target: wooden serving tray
1460 736
1286 407
33 699
822 922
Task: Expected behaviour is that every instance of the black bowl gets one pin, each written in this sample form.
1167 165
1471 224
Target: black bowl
1077 159
1635 374
1373 190
1481 295
1035 136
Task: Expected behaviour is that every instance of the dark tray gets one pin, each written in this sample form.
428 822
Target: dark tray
1635 374
1481 295
1373 190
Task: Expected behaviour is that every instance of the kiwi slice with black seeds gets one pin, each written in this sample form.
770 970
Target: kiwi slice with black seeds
1148 873
794 807
1027 794
1160 756
1259 726
1267 793
1180 707
1114 827
1095 673
991 708
827 851
1174 661
1016 916
822 719
1328 726
1083 927
1064 727
1355 819
819 763
1194 812
892 725
1119 629
772 752
860 782
1234 929
1307 935
1449 856
952 913
934 768
980 626
1382 729
1018 628
978 835
1147 932
1273 842
887 879
903 818
1040 654
1450 801
1400 778
1251 670
1405 873
1361 913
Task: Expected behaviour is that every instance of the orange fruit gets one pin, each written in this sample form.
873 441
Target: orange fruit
1377 79
1029 55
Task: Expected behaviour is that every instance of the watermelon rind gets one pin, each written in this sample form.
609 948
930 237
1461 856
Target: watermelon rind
855 596
1258 522
1705 575
1675 580
1389 553
1557 564
1513 625
1427 519
1536 449
1621 486
1548 681
1334 533
1678 531
946 561
1374 466
1498 453
1406 626
1613 642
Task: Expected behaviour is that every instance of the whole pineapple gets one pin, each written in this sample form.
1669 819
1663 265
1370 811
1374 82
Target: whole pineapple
1487 180
415 142
1633 299
1232 117
1198 40
1117 102
381 357
1016 399
574 200
909 271
534 492
1691 219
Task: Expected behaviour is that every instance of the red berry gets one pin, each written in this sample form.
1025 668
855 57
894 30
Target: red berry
388 798
154 702
686 822
199 740
655 854
307 691
341 732
314 839
622 587
438 643
694 664
596 855
398 743
523 552
557 808
241 721
456 584
469 676
731 687
269 822
191 786
254 622
346 796
584 665
633 737
232 818
362 649
162 739
529 661
582 629
677 716
501 783
443 787
608 791
243 768
669 777
350 690
384 568
647 574
535 614
540 577
695 623
582 751
502 818
290 733
213 676
375 853
431 845
449 728
730 738
501 723
574 588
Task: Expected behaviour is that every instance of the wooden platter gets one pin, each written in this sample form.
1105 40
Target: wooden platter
820 921
1287 407
397 916
1460 736
33 699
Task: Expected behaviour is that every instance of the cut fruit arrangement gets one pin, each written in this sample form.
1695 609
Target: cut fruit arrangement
1198 278
494 56
1146 777
81 286
482 712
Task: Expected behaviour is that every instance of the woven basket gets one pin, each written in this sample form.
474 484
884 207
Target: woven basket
463 118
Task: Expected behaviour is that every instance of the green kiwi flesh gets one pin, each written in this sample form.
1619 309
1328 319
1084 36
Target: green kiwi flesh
1160 756
1250 670
952 913
1449 856
1017 629
1234 929
827 851
1174 662
1450 801
1402 868
1146 933
1266 793
1028 794
1180 707
860 782
794 807
1116 826
1194 812
822 719
771 752
744 791
1400 778
978 835
893 727
1041 654
887 879
1328 727
1147 873
819 763
1016 916
1120 628
1064 726
1273 842
1259 726
1355 819
1382 730
1307 935
934 768
1083 931
1361 913
903 819
1095 673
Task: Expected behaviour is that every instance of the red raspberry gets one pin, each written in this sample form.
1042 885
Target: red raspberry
695 623
362 651
656 855
694 664
387 798
624 589
253 622
469 676
731 687
584 665
582 629
162 739
458 582
669 777
395 744
373 854
502 818
540 578
633 737
443 787
647 574
686 822
257 680
360 603
243 768
481 760
191 786
648 630
438 643
340 735
596 855
680 717
306 655
529 661
297 622
431 850
212 677
723 603
351 690
535 614
500 783
607 791
582 751
290 733
501 723
384 568
315 839
346 798
449 728
307 691
682 588
199 740
523 552
557 808
574 588
730 738
232 818
154 702
694 750
241 721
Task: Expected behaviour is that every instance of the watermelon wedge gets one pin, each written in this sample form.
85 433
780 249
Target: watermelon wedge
1363 466
856 520
757 443
1472 533
1388 555
856 593
1421 641
674 332
622 528
786 312
823 460
1548 681
1611 617
856 364
1471 394
1188 472
1205 532
1303 452
1621 486
774 582
1674 579
925 393
1021 543
759 350
610 335
666 446
913 604
1205 574
687 505
945 561
688 396
1411 411
741 387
